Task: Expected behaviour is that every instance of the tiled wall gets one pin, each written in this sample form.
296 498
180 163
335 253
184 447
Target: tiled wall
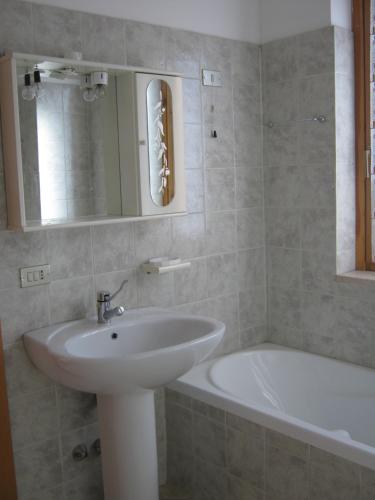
223 234
217 455
309 171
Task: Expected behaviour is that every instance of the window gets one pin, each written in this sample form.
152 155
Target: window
364 39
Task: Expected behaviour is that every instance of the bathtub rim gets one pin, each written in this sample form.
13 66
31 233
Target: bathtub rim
206 392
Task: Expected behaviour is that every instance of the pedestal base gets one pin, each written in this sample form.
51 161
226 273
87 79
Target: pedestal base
128 444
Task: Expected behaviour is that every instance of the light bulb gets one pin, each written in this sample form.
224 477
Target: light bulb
89 95
100 91
39 89
28 91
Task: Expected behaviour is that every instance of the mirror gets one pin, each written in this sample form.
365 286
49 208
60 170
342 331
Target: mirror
160 142
69 148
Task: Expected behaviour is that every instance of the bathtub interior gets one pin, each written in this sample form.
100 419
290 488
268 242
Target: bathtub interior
330 394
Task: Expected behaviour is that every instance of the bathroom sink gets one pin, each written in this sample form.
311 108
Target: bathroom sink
144 349
123 363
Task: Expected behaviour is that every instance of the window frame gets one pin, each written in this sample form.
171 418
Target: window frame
362 54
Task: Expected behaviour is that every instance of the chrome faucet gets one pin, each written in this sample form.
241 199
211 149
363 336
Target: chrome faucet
104 298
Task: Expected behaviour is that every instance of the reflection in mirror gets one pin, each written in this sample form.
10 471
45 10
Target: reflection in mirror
160 142
69 151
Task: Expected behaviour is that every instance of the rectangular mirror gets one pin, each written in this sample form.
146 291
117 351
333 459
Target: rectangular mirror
69 145
86 143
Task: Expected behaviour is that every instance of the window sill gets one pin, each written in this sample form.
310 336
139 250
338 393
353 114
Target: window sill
356 277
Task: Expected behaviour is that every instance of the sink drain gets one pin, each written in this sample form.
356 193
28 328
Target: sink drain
114 336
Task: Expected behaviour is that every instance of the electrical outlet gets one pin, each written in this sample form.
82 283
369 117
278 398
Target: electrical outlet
34 276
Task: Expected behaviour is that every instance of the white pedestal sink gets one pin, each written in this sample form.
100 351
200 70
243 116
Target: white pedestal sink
123 363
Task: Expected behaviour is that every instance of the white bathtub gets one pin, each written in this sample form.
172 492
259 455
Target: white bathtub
326 403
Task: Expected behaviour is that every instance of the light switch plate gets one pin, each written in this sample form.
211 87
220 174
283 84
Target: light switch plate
212 78
34 276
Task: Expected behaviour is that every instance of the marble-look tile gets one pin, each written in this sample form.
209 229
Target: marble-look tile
246 105
88 486
237 489
220 232
367 484
177 398
316 51
245 457
188 234
209 481
251 268
209 440
280 144
179 467
103 39
56 493
283 186
245 59
316 142
253 431
318 230
23 309
193 146
316 96
333 478
224 309
194 191
283 227
284 267
183 52
250 228
190 284
317 189
23 377
280 102
56 31
248 145
155 289
179 427
76 409
290 337
318 313
284 308
318 271
38 466
71 299
252 308
218 117
145 45
253 336
76 257
280 60
208 411
112 282
192 101
249 187
152 239
34 417
287 476
20 250
287 444
220 189
16 30
216 53
113 247
221 274
85 435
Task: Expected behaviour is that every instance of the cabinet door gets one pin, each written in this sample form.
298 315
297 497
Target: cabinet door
161 156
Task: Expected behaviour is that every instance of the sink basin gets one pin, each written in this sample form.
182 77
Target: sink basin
143 349
123 363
